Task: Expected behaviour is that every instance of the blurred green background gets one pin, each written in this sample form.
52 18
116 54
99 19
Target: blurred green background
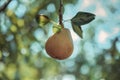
22 41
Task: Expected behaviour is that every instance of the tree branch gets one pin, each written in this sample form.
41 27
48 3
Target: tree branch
60 13
5 5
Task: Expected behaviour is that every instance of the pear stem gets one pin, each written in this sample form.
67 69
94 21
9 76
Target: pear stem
60 14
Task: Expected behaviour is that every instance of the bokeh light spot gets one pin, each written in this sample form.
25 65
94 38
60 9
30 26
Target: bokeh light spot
21 10
69 77
51 7
84 69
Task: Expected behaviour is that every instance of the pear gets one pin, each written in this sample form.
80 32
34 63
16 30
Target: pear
60 45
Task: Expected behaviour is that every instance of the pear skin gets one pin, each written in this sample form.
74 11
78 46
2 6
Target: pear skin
60 45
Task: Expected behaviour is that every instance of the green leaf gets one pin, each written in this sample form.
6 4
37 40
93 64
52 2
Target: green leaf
42 19
77 29
82 18
79 19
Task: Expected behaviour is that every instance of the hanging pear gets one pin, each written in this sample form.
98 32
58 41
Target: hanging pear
60 45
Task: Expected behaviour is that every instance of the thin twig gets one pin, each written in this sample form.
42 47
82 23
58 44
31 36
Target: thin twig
5 5
60 13
66 20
